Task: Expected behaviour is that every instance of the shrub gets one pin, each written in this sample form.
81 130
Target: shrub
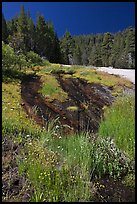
108 159
21 61
33 59
45 62
9 59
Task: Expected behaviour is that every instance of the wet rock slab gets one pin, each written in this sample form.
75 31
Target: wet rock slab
88 98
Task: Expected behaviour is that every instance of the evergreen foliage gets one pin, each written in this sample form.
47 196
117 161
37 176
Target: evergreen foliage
24 36
4 29
116 50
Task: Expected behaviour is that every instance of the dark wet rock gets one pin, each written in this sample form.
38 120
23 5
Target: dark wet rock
89 98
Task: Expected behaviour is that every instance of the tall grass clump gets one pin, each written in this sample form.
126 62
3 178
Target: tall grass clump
75 149
119 123
58 169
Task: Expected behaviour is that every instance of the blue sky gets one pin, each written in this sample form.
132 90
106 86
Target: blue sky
78 17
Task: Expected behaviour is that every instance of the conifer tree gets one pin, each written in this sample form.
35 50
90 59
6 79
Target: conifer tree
106 48
67 48
4 29
31 33
22 27
40 35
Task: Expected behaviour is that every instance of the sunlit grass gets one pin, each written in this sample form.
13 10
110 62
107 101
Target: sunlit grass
72 108
94 76
55 174
51 88
61 168
13 116
119 123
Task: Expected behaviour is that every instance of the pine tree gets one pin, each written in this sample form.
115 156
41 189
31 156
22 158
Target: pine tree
12 25
106 48
22 28
95 58
50 41
130 47
31 33
40 36
77 56
56 50
67 48
4 29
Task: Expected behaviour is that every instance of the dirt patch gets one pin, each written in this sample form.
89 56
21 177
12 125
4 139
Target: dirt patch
110 190
88 98
14 186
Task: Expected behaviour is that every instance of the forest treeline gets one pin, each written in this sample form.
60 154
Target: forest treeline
107 49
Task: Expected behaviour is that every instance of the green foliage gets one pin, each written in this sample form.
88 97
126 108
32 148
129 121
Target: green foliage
95 57
12 61
21 61
33 58
60 169
106 47
67 45
117 50
48 89
46 63
9 59
107 159
54 175
47 43
77 56
4 29
24 36
16 41
119 123
51 89
129 180
18 61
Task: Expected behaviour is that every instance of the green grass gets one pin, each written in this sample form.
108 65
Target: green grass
14 119
119 123
56 175
48 89
59 167
37 161
51 89
91 75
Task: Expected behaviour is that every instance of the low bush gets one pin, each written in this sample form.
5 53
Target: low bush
33 59
108 159
9 59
